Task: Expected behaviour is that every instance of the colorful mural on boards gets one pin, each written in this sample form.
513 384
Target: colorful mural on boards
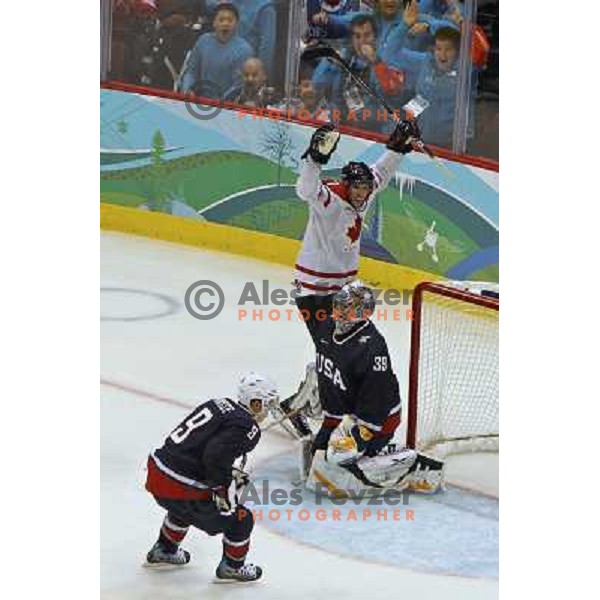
240 170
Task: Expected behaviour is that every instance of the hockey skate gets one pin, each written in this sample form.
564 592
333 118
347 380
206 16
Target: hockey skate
225 573
160 557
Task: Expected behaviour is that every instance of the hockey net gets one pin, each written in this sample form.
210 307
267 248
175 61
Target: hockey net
453 382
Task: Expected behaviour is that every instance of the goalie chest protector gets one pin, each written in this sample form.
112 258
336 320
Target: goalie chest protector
355 374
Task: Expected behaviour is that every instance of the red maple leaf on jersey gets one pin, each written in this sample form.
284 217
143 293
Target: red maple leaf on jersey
354 230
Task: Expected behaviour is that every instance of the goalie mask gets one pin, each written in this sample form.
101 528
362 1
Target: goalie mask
254 388
352 304
359 179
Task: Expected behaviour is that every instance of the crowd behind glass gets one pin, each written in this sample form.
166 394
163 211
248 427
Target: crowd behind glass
238 51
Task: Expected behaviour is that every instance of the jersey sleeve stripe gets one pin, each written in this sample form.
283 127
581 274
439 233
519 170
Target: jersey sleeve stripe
371 426
332 416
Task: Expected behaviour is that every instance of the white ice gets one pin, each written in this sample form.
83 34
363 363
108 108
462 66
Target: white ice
152 367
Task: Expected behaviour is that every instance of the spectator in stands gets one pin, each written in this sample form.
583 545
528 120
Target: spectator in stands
437 84
394 21
131 21
181 21
347 102
215 64
401 21
447 10
307 105
435 14
258 26
310 105
448 13
319 11
253 91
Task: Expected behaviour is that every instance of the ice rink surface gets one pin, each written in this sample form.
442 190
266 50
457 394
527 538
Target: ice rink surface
157 362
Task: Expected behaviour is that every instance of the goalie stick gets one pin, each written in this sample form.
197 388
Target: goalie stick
325 51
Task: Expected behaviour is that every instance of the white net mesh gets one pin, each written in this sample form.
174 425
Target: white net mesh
457 378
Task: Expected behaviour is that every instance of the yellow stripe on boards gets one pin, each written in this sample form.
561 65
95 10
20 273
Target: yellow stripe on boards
244 242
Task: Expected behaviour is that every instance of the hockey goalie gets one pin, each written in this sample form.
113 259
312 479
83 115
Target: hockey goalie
347 411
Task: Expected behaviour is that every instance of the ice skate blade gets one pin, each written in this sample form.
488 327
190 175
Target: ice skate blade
251 581
162 566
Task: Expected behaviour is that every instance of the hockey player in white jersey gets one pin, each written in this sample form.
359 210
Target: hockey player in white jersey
330 250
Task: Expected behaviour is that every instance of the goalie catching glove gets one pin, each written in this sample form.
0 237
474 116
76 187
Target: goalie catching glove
323 143
403 137
350 448
342 451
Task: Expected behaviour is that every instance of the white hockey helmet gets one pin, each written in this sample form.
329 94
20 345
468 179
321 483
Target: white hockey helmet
256 387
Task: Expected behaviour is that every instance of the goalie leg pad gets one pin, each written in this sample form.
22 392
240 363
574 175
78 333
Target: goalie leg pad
404 470
388 470
398 470
428 475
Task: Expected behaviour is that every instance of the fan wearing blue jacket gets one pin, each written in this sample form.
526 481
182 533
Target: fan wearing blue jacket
437 83
398 27
347 102
435 14
216 61
319 13
258 26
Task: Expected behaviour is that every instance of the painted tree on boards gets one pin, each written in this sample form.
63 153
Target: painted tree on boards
159 195
276 142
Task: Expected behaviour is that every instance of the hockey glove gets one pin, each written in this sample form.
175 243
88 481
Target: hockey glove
222 501
362 436
343 451
240 478
403 136
323 143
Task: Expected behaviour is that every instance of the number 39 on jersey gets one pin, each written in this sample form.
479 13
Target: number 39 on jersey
380 363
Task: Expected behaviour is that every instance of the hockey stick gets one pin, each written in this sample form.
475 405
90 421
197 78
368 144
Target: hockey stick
239 472
281 420
324 51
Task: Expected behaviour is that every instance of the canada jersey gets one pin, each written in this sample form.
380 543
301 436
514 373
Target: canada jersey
355 376
201 450
331 246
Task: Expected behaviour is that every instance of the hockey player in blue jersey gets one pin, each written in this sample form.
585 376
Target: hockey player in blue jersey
192 477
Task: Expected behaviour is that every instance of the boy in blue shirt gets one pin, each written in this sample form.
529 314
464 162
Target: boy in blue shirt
215 64
258 26
437 84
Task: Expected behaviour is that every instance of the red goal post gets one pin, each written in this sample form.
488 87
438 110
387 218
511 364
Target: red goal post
453 378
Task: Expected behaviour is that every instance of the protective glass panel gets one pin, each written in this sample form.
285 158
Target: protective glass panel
234 51
434 60
482 138
406 51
